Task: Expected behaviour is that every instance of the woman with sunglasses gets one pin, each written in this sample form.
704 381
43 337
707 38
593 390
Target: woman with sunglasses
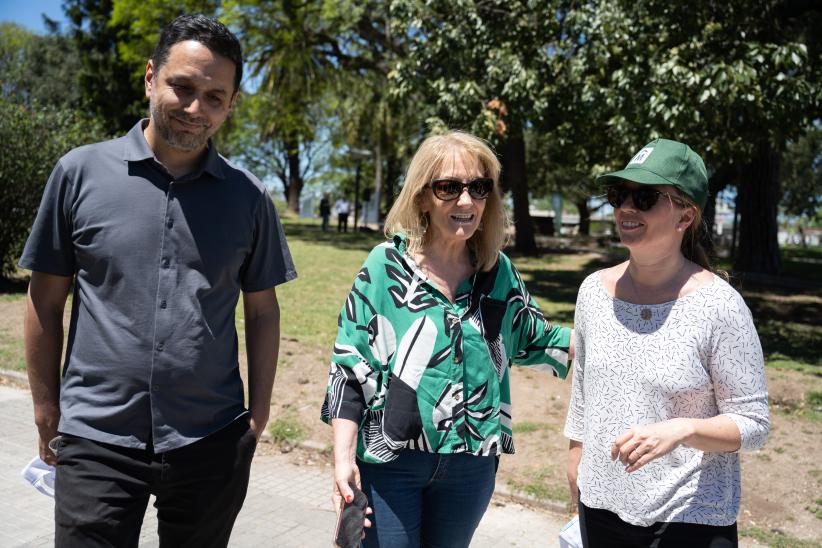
669 382
418 393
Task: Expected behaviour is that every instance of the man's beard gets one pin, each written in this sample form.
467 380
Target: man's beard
180 140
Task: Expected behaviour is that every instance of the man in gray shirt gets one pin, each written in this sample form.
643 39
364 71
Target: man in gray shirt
159 235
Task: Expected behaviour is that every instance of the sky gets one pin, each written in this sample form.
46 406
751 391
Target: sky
27 13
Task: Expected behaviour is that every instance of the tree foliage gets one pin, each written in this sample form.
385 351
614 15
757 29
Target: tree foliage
39 122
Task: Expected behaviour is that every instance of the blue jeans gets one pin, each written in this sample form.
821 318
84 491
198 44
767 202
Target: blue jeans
426 499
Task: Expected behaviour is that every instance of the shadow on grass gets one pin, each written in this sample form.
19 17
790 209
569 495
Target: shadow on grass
310 233
14 285
560 285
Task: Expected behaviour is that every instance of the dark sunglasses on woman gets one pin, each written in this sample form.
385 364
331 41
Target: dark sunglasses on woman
643 198
451 189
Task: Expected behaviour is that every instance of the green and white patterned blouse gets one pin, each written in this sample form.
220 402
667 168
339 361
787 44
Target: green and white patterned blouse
415 370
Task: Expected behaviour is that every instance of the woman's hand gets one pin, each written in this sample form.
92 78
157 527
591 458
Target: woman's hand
642 444
345 466
345 472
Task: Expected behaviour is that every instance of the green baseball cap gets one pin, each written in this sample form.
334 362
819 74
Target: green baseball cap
665 162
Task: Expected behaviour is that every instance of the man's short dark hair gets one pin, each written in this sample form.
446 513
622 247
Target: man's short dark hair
209 32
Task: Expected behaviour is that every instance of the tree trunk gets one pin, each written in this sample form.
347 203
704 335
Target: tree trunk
295 180
390 178
584 216
758 199
721 178
513 169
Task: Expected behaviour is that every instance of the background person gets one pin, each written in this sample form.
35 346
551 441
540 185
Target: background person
418 392
159 235
343 209
669 383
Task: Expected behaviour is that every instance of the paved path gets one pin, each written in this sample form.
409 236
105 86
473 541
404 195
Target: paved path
301 519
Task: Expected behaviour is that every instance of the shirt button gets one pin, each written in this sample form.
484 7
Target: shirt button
170 223
165 262
160 346
163 304
458 396
155 387
457 359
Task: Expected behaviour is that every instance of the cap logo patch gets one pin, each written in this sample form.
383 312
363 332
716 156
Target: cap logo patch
641 156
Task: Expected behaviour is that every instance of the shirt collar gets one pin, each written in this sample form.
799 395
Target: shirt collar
137 150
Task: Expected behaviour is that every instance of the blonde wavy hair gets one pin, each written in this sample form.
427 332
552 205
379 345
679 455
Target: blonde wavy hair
406 215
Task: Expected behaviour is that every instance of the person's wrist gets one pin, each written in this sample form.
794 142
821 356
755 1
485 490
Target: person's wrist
687 430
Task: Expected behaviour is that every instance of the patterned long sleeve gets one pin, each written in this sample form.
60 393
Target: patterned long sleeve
538 343
575 421
356 363
737 370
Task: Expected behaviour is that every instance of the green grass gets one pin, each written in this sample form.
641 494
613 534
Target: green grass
326 266
774 538
815 508
11 353
286 430
540 487
525 427
799 252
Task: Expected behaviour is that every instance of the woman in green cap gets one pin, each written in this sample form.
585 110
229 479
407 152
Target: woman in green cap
669 382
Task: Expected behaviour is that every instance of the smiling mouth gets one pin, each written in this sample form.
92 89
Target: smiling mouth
188 124
462 218
630 224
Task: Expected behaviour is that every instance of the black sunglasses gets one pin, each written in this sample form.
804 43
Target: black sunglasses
451 189
643 198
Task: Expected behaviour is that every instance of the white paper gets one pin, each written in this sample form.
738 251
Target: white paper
40 475
570 535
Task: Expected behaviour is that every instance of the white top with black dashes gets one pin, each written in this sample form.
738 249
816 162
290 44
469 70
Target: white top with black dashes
698 356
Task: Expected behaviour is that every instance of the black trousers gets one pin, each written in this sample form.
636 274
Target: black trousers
604 529
101 490
342 222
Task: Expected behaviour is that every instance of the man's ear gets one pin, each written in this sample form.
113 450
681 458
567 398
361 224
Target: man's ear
233 100
148 80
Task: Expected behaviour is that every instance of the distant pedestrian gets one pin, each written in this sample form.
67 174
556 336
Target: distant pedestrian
669 381
325 210
343 209
159 235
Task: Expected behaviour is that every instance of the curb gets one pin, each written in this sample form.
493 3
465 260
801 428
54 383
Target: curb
15 378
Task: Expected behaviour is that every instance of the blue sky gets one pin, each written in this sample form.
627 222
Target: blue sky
27 13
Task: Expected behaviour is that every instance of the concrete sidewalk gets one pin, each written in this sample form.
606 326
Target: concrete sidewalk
301 519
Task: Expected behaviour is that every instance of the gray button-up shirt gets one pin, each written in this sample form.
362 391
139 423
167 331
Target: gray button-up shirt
159 264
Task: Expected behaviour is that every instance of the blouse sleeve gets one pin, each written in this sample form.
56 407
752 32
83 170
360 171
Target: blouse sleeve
575 420
536 341
737 371
355 373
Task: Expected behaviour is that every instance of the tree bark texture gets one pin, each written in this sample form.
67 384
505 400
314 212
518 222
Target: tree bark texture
720 179
513 170
584 216
759 195
295 180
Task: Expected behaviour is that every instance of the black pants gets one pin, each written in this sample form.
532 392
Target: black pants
101 490
604 529
342 222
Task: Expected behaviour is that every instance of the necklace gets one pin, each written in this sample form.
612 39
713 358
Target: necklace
645 312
